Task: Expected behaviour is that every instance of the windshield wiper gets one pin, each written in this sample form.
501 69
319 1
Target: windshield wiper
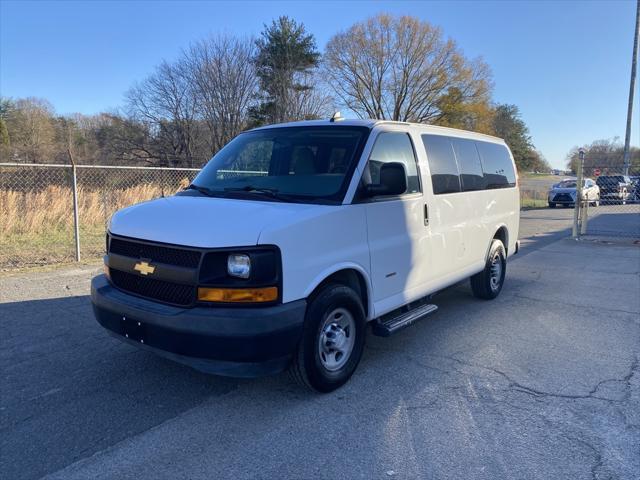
272 192
206 191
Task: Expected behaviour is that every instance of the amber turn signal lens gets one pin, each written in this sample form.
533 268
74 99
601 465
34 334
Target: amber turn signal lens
238 295
106 271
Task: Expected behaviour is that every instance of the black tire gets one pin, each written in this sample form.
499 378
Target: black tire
485 285
308 368
552 205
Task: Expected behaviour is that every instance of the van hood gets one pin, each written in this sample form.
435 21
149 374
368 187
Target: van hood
206 222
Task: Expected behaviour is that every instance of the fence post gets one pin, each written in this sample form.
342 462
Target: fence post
578 202
76 223
584 212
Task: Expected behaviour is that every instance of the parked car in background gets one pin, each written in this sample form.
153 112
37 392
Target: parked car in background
564 193
635 193
615 188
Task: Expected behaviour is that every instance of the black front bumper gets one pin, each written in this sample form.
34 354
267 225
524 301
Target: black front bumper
240 341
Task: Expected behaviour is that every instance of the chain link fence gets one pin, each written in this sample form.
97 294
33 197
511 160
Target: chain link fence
37 224
37 207
612 201
533 197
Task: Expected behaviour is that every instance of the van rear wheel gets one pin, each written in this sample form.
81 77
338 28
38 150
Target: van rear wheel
488 283
332 340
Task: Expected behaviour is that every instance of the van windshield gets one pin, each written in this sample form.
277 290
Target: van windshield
297 164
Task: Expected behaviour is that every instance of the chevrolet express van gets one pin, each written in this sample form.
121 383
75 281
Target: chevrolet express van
295 237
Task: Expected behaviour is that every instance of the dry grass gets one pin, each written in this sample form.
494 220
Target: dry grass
533 198
37 226
52 208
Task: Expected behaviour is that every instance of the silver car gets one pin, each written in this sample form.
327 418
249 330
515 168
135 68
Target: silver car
564 193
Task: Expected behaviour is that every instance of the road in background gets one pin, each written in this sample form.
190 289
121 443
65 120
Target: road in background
540 383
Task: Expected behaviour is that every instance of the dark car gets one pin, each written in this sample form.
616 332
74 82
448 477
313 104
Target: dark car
615 188
636 188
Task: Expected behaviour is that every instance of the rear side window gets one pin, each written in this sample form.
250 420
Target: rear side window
471 174
394 147
497 165
442 163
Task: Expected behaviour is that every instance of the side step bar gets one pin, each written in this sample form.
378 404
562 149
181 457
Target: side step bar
390 326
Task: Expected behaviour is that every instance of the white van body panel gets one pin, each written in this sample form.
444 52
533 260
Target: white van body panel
316 243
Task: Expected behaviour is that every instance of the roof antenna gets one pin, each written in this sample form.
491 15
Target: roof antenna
336 117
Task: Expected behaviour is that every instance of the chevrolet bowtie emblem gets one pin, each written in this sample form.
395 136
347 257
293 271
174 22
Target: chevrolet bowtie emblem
144 268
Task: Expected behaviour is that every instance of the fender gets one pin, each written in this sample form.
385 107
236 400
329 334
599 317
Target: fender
495 230
326 273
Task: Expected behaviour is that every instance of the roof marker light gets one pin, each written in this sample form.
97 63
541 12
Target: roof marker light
337 117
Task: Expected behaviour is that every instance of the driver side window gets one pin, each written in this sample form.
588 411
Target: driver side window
393 147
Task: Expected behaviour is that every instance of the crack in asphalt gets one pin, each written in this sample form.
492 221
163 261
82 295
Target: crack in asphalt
520 387
598 462
597 454
515 385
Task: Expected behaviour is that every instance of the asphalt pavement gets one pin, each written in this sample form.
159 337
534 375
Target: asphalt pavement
542 382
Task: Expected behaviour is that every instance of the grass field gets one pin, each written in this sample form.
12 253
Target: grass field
541 176
37 227
533 202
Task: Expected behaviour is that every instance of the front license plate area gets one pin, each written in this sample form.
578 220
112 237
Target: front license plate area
133 329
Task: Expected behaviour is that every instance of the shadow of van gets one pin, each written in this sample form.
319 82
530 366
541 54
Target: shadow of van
70 390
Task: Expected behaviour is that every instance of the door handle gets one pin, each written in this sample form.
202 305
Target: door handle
426 215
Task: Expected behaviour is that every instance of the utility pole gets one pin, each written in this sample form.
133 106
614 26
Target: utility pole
578 200
634 61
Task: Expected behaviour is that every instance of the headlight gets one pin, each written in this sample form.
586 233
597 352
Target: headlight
239 266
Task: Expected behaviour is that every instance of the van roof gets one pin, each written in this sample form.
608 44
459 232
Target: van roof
370 123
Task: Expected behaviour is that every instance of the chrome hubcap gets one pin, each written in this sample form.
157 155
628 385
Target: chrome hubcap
337 338
496 272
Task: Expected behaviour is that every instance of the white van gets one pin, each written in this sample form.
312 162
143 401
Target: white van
295 236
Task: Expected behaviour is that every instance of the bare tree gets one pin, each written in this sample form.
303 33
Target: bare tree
311 101
224 85
398 68
164 102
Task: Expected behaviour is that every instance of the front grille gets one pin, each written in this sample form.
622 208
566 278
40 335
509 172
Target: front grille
563 197
156 253
155 289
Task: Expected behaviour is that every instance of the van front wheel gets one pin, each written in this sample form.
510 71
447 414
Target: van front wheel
488 283
332 340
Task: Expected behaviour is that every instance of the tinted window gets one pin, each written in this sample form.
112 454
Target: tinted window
442 163
497 165
471 174
610 180
567 184
393 147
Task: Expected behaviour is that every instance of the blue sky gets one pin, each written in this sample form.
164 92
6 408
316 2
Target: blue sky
565 64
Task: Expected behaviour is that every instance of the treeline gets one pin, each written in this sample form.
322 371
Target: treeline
605 155
387 67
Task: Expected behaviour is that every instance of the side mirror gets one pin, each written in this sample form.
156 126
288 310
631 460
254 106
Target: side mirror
393 180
